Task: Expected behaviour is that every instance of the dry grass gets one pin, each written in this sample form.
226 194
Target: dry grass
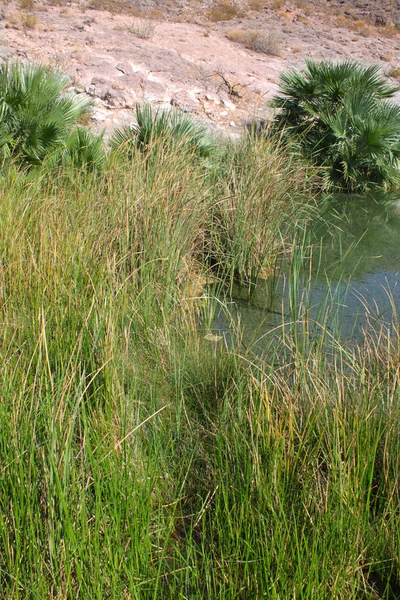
29 21
155 14
365 27
12 22
65 13
56 2
302 19
224 10
266 43
26 4
394 72
389 30
112 6
307 7
143 29
256 5
359 26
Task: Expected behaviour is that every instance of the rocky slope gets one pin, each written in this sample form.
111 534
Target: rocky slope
220 61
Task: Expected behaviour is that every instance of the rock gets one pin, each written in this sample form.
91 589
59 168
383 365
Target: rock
229 105
125 68
99 117
183 103
155 92
133 82
104 90
5 51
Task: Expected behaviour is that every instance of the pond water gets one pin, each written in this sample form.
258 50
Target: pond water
348 285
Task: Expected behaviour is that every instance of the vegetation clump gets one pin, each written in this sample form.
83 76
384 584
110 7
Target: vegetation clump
342 118
145 453
37 114
172 127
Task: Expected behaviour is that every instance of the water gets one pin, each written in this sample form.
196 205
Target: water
348 286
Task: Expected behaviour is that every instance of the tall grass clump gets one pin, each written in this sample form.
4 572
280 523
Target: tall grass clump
341 117
141 456
265 193
89 282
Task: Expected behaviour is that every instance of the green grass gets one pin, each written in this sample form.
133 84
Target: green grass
140 457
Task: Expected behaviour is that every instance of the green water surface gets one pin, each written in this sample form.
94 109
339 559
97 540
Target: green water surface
345 286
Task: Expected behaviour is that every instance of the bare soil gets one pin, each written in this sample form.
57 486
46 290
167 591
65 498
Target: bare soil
220 61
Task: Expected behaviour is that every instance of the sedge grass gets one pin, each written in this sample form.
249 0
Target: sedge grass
141 458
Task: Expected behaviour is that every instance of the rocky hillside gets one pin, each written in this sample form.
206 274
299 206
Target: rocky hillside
220 60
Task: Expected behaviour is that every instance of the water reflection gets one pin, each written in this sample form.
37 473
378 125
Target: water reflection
349 285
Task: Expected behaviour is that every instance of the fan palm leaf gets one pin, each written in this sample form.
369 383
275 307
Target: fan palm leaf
40 112
343 118
172 127
84 150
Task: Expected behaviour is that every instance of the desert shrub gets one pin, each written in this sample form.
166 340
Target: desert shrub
341 117
26 4
36 113
224 10
29 21
144 29
394 71
266 43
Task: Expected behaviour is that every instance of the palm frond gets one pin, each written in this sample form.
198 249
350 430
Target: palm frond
343 120
168 127
40 113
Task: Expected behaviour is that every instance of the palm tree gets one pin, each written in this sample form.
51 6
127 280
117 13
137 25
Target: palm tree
36 112
343 119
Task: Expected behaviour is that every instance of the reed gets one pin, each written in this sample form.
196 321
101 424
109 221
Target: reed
143 456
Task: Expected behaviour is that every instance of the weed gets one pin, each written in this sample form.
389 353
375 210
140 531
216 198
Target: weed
142 28
394 72
224 10
256 5
26 4
267 43
29 21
